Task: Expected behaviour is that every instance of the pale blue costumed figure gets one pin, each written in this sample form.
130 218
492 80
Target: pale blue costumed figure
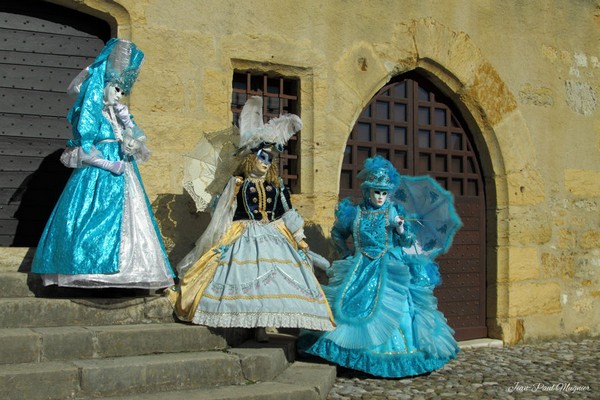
382 299
102 232
251 267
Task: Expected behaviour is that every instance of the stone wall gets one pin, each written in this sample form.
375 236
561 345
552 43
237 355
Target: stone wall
525 75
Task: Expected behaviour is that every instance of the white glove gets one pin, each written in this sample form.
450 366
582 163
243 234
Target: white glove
116 167
400 227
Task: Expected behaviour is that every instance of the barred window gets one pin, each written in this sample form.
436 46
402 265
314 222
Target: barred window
280 95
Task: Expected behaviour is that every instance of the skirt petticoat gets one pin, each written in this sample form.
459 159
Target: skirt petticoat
387 325
255 277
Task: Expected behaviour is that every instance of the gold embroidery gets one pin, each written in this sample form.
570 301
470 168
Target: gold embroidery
261 260
265 313
265 296
262 201
187 295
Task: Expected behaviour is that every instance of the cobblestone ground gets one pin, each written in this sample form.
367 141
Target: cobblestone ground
550 370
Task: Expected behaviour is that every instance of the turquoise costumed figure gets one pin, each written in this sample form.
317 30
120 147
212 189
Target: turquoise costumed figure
381 294
252 268
102 232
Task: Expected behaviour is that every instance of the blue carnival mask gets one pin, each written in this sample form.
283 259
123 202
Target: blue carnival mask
264 157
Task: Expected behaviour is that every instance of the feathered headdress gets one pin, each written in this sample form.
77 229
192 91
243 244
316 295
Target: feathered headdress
119 61
123 65
256 135
379 173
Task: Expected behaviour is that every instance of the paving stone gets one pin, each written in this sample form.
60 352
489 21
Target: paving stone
320 377
41 312
65 343
257 391
260 365
129 340
555 369
18 284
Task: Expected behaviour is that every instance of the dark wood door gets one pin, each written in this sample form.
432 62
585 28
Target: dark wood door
413 125
42 48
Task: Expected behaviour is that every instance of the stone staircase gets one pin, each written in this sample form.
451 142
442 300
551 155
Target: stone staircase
118 344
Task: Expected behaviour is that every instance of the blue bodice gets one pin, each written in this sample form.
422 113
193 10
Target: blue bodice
371 231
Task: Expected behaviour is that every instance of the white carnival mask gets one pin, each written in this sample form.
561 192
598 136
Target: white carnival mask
131 145
378 197
112 94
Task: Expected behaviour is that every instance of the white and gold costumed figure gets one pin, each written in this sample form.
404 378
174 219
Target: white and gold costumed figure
251 267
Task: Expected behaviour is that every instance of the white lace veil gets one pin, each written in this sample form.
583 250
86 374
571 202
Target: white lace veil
221 219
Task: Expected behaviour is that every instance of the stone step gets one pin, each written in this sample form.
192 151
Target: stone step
24 284
19 284
15 259
32 345
301 381
139 374
45 312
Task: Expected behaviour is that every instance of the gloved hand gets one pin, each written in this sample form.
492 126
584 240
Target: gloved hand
131 145
330 272
400 226
116 167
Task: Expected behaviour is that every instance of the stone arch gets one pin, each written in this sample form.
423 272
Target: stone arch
452 61
113 13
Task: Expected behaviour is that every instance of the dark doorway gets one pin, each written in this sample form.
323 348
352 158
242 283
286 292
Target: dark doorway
412 124
42 48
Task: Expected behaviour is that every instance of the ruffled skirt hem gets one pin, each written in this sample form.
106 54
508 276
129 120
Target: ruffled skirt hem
255 277
87 282
377 364
263 320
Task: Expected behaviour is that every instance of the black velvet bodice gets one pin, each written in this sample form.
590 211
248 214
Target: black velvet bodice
259 200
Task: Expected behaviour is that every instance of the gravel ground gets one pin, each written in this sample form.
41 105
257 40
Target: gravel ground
549 370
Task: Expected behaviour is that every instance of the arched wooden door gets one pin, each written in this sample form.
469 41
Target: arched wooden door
413 125
42 48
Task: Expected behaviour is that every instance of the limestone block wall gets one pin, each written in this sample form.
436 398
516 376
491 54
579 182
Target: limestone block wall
525 75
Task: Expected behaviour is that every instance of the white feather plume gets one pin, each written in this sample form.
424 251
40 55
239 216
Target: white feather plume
253 131
251 119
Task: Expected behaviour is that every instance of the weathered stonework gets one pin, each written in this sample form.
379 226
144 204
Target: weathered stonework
534 298
537 96
529 95
492 94
583 184
561 266
523 264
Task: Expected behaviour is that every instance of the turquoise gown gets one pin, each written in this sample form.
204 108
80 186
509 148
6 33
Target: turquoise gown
102 232
382 300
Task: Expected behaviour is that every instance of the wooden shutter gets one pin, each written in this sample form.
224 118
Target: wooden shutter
42 47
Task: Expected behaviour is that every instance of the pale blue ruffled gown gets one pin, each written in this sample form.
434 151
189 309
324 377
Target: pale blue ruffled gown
382 300
254 275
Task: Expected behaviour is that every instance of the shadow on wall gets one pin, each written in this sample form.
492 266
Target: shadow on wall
36 197
321 245
180 224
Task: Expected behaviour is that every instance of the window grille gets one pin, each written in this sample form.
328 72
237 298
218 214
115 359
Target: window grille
280 95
